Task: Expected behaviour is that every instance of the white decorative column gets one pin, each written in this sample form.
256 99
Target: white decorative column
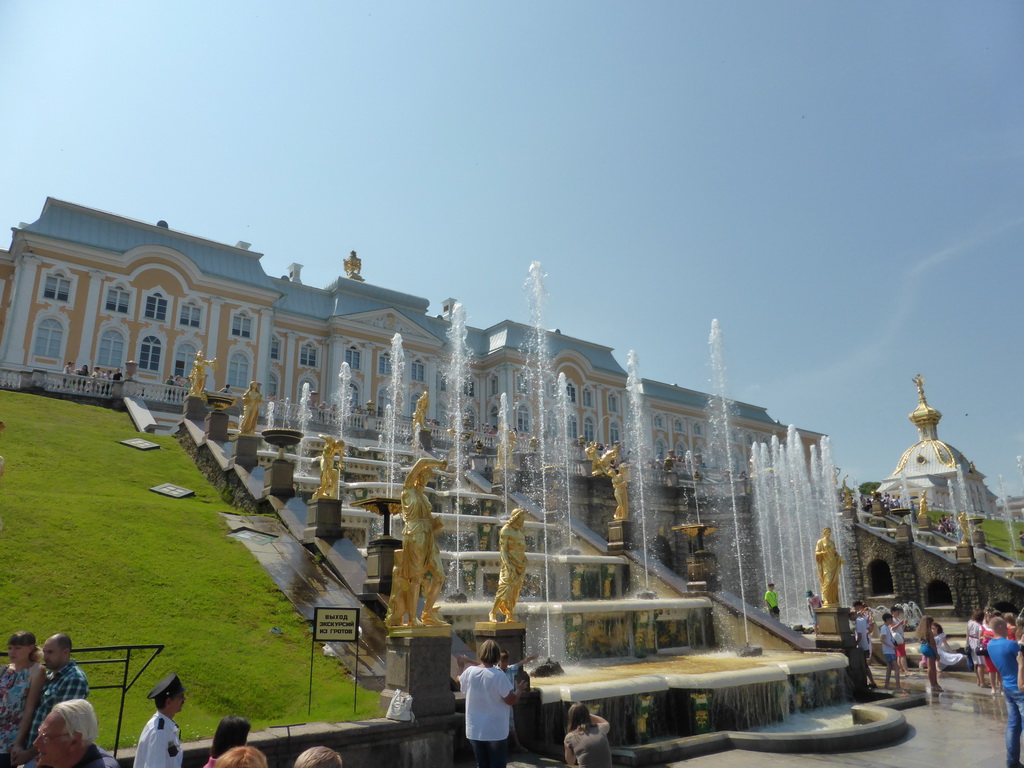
25 275
261 371
92 308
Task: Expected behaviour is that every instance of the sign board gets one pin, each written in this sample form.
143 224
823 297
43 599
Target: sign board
336 625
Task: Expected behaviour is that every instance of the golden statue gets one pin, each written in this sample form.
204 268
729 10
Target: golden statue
601 465
830 565
923 518
250 409
620 482
197 376
328 488
419 559
352 266
965 528
512 544
847 494
919 381
419 416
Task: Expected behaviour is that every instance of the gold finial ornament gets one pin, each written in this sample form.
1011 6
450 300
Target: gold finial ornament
830 565
418 566
328 488
512 545
352 266
250 409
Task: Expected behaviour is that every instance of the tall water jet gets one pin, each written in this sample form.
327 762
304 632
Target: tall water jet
457 377
505 448
720 439
396 397
343 398
563 454
1011 548
271 410
637 430
540 382
305 416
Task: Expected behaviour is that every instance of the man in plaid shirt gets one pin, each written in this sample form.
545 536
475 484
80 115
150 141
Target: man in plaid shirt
64 681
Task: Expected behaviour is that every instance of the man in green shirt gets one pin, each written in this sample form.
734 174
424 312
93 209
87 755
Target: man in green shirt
771 601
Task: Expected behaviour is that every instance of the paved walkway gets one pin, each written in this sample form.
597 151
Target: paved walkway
963 727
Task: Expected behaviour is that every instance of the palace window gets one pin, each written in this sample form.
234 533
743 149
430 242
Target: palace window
570 391
238 370
613 403
588 429
573 430
520 384
156 307
493 385
307 355
588 398
522 419
384 364
241 326
417 371
190 315
117 300
57 287
696 429
613 432
49 338
275 348
149 353
184 356
272 385
111 352
678 425
468 388
352 357
659 422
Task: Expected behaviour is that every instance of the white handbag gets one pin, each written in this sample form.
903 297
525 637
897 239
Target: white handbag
400 708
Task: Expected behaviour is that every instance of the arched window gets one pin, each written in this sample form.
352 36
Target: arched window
184 356
49 337
149 354
522 419
156 307
613 432
111 351
880 578
191 315
57 287
238 371
241 325
588 428
353 357
659 449
117 300
570 391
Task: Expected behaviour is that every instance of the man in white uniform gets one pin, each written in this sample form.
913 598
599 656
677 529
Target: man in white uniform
160 744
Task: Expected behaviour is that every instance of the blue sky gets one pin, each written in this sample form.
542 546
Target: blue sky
840 184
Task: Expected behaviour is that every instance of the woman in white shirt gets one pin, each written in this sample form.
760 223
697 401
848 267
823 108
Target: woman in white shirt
489 694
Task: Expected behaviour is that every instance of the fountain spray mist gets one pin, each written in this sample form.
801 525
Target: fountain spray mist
457 376
640 455
396 396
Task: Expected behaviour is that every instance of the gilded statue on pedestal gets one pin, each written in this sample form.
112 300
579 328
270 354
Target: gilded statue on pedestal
419 416
512 544
830 565
923 518
847 494
965 528
197 376
328 488
620 482
250 409
418 567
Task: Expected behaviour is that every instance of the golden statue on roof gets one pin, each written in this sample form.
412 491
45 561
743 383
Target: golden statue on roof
352 266
919 381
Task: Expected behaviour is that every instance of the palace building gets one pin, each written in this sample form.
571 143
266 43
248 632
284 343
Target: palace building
89 287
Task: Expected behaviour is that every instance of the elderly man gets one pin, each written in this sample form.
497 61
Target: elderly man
66 738
160 744
64 681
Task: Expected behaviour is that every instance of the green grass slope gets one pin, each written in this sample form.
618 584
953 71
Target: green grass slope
89 550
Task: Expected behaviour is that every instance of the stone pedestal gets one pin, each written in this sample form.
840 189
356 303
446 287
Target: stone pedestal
246 447
834 620
426 439
217 426
836 634
195 408
904 533
924 522
280 479
380 565
964 553
702 567
510 636
849 513
419 662
978 537
620 536
323 520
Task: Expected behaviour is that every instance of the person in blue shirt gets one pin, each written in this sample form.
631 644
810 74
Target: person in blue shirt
1006 656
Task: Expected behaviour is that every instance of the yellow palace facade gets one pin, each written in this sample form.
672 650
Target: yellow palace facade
87 287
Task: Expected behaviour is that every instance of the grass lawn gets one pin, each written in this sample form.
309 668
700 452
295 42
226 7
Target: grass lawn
996 533
89 550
